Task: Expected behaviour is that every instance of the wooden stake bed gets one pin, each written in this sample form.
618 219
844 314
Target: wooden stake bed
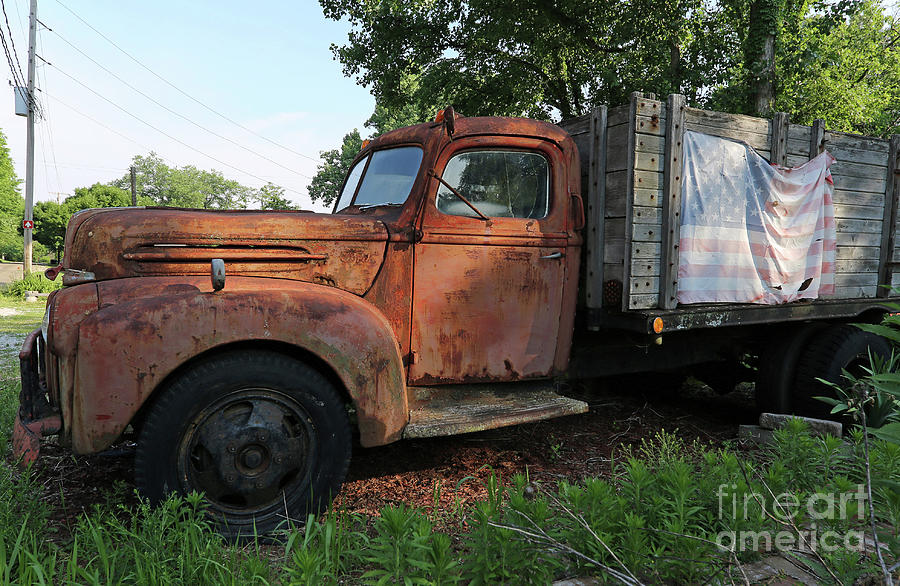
453 409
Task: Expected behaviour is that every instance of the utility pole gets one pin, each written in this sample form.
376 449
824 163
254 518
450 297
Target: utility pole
133 187
29 157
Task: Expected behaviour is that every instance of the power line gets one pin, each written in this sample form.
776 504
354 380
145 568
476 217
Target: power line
11 40
184 93
164 133
46 118
171 111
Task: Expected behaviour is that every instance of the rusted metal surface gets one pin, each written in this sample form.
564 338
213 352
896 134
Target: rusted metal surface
27 437
488 296
148 328
453 409
339 251
35 418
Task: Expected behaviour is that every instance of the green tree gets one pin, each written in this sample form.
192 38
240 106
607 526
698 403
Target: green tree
12 207
50 222
271 197
326 184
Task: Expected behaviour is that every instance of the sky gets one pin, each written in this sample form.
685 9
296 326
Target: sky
268 68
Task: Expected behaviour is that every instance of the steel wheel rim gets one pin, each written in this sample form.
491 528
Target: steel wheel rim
247 451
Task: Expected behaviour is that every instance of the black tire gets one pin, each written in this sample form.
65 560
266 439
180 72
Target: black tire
826 356
259 433
777 369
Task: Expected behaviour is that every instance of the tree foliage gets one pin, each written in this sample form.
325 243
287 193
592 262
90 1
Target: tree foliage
12 207
831 59
326 184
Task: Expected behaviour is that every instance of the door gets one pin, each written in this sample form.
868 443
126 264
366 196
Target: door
490 266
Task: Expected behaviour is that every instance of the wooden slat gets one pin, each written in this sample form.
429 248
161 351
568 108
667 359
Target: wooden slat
671 209
645 250
644 285
857 253
649 125
650 198
858 212
629 189
780 125
848 225
648 162
618 115
575 126
857 155
723 120
817 138
855 279
645 215
617 181
856 141
853 292
865 171
641 267
795 160
648 179
856 266
648 143
596 204
863 198
891 201
647 107
760 142
617 148
858 239
613 251
645 233
872 185
643 301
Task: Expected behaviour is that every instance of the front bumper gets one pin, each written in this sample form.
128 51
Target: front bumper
36 417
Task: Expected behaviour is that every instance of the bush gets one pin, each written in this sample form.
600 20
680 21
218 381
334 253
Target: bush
33 282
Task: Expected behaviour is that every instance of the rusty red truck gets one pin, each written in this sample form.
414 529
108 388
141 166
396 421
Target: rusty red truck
468 266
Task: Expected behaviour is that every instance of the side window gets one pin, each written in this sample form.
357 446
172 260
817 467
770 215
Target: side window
501 184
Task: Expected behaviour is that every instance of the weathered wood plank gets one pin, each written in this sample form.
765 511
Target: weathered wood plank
865 198
617 181
729 121
615 228
853 292
617 148
647 107
613 251
856 266
780 125
648 180
836 139
760 142
858 155
817 138
857 253
596 204
650 198
644 285
648 162
858 239
649 125
798 146
862 170
645 233
648 143
671 208
892 202
850 225
618 115
645 250
795 160
577 125
874 185
630 235
855 279
645 215
642 301
858 212
644 267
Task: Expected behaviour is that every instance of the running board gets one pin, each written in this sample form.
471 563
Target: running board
453 409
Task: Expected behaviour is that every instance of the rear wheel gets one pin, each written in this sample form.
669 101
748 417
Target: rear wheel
262 435
838 348
777 369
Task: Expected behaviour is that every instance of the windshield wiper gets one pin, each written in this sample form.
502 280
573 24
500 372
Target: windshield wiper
367 206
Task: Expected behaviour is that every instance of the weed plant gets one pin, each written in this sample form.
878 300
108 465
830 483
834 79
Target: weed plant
34 282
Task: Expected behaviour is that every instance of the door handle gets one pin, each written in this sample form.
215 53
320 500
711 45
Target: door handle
552 255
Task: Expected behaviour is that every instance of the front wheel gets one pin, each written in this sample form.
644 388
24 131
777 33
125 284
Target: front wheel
262 435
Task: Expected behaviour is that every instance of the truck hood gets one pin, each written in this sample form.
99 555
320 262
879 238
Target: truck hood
334 250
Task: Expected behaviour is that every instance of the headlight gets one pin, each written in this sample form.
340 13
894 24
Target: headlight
45 325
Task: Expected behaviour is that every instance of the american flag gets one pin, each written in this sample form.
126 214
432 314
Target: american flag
753 232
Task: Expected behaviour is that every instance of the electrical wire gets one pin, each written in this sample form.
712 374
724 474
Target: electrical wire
11 39
164 133
184 93
171 111
46 118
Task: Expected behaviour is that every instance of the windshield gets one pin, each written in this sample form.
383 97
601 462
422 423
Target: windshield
387 178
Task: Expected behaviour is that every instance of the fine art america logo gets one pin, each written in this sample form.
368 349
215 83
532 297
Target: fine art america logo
801 518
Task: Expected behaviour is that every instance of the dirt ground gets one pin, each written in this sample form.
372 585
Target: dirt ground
444 475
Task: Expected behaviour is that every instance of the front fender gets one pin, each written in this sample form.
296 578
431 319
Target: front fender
127 349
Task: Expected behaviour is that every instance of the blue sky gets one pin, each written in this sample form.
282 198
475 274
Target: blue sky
270 69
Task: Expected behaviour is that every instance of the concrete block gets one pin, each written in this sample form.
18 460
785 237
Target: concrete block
819 427
754 434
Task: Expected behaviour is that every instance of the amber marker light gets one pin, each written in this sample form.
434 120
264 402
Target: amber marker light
657 325
440 116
